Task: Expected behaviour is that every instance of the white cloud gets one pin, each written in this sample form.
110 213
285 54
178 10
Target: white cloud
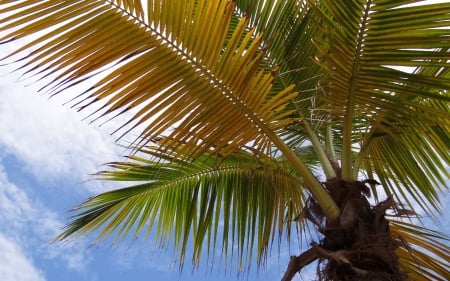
33 226
50 139
15 264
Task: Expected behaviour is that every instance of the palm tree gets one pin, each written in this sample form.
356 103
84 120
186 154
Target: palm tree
238 105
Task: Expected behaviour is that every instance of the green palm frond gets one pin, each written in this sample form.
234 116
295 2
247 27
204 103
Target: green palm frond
287 28
398 118
229 70
411 146
241 202
181 79
423 253
395 117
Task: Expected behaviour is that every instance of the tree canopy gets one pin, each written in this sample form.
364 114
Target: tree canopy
237 104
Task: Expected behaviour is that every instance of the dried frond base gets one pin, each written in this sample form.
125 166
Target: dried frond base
356 247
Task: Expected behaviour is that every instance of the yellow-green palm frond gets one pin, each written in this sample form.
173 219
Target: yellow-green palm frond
134 7
287 28
238 205
411 146
409 166
423 253
165 68
364 43
385 88
200 81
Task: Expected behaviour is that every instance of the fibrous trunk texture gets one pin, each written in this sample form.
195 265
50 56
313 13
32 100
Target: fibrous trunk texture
356 247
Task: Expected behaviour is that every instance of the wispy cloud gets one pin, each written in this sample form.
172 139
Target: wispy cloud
15 264
50 139
28 223
52 145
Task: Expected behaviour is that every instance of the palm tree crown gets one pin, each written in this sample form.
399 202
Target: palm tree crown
237 103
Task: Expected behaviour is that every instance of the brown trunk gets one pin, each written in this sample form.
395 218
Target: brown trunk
356 247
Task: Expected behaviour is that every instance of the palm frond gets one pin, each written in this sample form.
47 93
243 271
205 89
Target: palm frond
287 28
134 7
243 202
394 116
423 253
183 64
163 70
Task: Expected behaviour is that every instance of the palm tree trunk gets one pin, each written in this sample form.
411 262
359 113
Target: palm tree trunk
356 247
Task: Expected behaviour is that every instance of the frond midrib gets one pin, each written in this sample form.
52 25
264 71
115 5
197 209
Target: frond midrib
347 160
205 172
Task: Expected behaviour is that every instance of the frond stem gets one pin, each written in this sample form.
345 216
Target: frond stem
329 143
347 169
322 197
318 148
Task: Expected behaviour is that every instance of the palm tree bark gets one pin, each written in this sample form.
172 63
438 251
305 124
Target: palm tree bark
358 246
